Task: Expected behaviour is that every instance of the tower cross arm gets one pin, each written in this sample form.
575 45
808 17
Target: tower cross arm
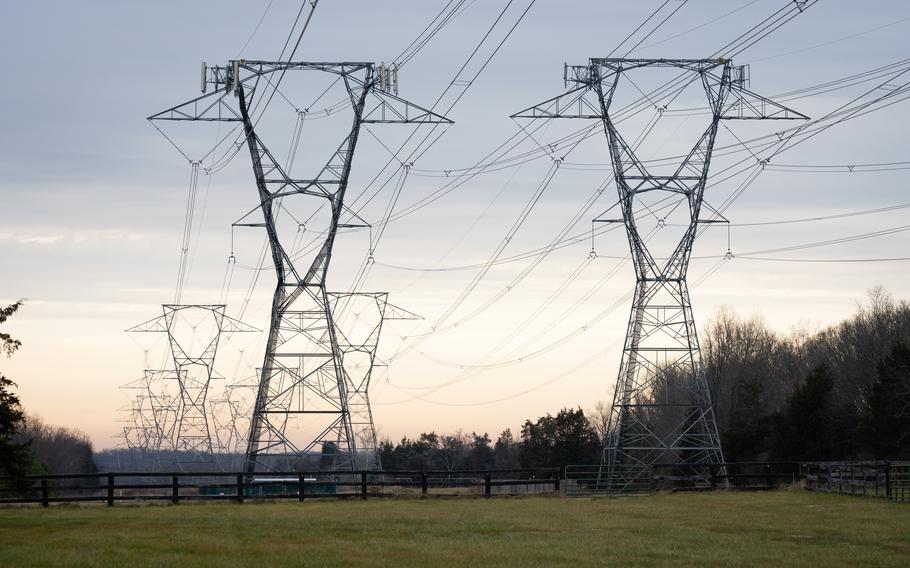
257 67
580 102
386 108
743 104
209 107
232 325
393 312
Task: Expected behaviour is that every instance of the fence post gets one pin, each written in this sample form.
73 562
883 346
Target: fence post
363 485
556 482
486 485
769 479
423 484
240 489
44 500
110 490
175 489
888 480
301 488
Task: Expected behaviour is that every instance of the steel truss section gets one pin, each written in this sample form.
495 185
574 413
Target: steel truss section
152 414
358 340
182 422
302 376
661 410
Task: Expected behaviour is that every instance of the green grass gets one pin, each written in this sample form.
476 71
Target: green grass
786 528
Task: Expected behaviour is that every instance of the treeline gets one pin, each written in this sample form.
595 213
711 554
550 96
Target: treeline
842 393
27 444
55 449
838 394
141 459
550 441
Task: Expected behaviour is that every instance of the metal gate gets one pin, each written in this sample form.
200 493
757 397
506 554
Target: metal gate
592 480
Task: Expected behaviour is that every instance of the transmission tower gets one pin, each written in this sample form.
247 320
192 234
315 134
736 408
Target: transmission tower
193 333
661 410
152 413
302 375
358 340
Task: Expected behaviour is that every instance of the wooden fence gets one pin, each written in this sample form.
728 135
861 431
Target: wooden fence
644 479
888 480
181 486
883 479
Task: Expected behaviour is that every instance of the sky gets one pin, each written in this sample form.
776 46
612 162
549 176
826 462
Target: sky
93 198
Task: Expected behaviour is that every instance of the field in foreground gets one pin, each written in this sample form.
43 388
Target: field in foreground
786 528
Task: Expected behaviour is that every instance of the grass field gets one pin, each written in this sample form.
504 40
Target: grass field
786 528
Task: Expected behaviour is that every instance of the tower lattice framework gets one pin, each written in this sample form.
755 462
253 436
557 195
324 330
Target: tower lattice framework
302 375
194 332
662 410
358 342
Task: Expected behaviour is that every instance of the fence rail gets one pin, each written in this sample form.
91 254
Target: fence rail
887 480
735 475
582 480
181 486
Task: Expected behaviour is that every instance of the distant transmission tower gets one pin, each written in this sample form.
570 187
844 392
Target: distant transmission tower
662 410
153 412
193 333
358 340
302 377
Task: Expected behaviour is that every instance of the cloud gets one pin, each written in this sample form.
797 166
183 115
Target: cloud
58 236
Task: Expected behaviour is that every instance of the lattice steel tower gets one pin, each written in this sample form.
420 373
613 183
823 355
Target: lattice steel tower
193 332
358 341
302 375
662 410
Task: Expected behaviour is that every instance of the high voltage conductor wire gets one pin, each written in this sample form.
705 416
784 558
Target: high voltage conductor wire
444 17
586 133
640 26
703 278
781 149
366 265
256 29
327 111
812 128
831 42
835 216
857 168
829 260
508 288
411 157
187 230
668 84
191 197
511 396
195 165
536 313
512 357
263 255
527 270
451 84
700 26
316 237
661 23
776 21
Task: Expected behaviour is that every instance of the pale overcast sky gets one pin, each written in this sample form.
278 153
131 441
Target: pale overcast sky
94 198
